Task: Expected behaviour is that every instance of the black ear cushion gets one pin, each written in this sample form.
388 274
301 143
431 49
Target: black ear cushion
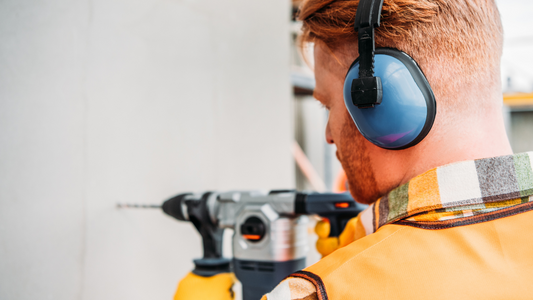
424 86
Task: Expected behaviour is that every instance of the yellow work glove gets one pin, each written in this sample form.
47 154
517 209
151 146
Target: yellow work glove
325 244
195 287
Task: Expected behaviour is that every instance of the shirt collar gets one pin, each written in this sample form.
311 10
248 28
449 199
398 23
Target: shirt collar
472 184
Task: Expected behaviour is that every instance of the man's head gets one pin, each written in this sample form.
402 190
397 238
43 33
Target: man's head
457 44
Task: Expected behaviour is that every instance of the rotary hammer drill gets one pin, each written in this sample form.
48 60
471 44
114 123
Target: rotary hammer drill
270 231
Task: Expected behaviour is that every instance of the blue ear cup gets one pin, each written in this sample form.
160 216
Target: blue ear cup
407 111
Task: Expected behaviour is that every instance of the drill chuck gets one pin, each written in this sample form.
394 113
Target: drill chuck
176 207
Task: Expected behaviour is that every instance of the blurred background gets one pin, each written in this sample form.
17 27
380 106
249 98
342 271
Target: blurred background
135 101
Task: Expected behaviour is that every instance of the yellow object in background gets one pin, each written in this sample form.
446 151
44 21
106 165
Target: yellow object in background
326 245
518 99
195 287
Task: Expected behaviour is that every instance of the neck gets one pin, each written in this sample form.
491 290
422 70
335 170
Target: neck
471 138
468 138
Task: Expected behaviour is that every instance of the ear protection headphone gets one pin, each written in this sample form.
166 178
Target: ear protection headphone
385 92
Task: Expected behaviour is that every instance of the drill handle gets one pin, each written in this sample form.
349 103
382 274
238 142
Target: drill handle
337 222
196 211
337 208
212 235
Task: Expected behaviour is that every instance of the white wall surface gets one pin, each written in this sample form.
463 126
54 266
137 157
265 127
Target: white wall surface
517 61
108 101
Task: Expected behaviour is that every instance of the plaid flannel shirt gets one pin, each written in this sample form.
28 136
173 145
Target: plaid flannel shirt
458 194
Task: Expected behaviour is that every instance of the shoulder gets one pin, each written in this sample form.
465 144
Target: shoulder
305 287
358 252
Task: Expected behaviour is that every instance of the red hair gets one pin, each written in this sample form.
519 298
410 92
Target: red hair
457 43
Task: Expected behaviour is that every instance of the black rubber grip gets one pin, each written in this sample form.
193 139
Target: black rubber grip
174 208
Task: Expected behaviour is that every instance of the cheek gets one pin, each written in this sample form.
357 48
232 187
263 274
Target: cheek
350 141
336 122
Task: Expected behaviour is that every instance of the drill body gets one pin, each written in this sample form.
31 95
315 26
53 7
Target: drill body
270 231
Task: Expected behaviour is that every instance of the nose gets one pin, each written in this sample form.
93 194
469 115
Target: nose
329 137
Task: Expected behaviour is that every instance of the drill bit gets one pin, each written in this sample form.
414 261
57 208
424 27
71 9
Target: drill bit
125 205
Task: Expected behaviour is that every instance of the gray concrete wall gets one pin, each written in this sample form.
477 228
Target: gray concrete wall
130 101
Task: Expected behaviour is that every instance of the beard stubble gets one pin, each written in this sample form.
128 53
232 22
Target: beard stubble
353 154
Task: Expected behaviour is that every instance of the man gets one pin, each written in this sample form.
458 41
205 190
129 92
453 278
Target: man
450 218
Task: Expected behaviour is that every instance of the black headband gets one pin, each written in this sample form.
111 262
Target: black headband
367 89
